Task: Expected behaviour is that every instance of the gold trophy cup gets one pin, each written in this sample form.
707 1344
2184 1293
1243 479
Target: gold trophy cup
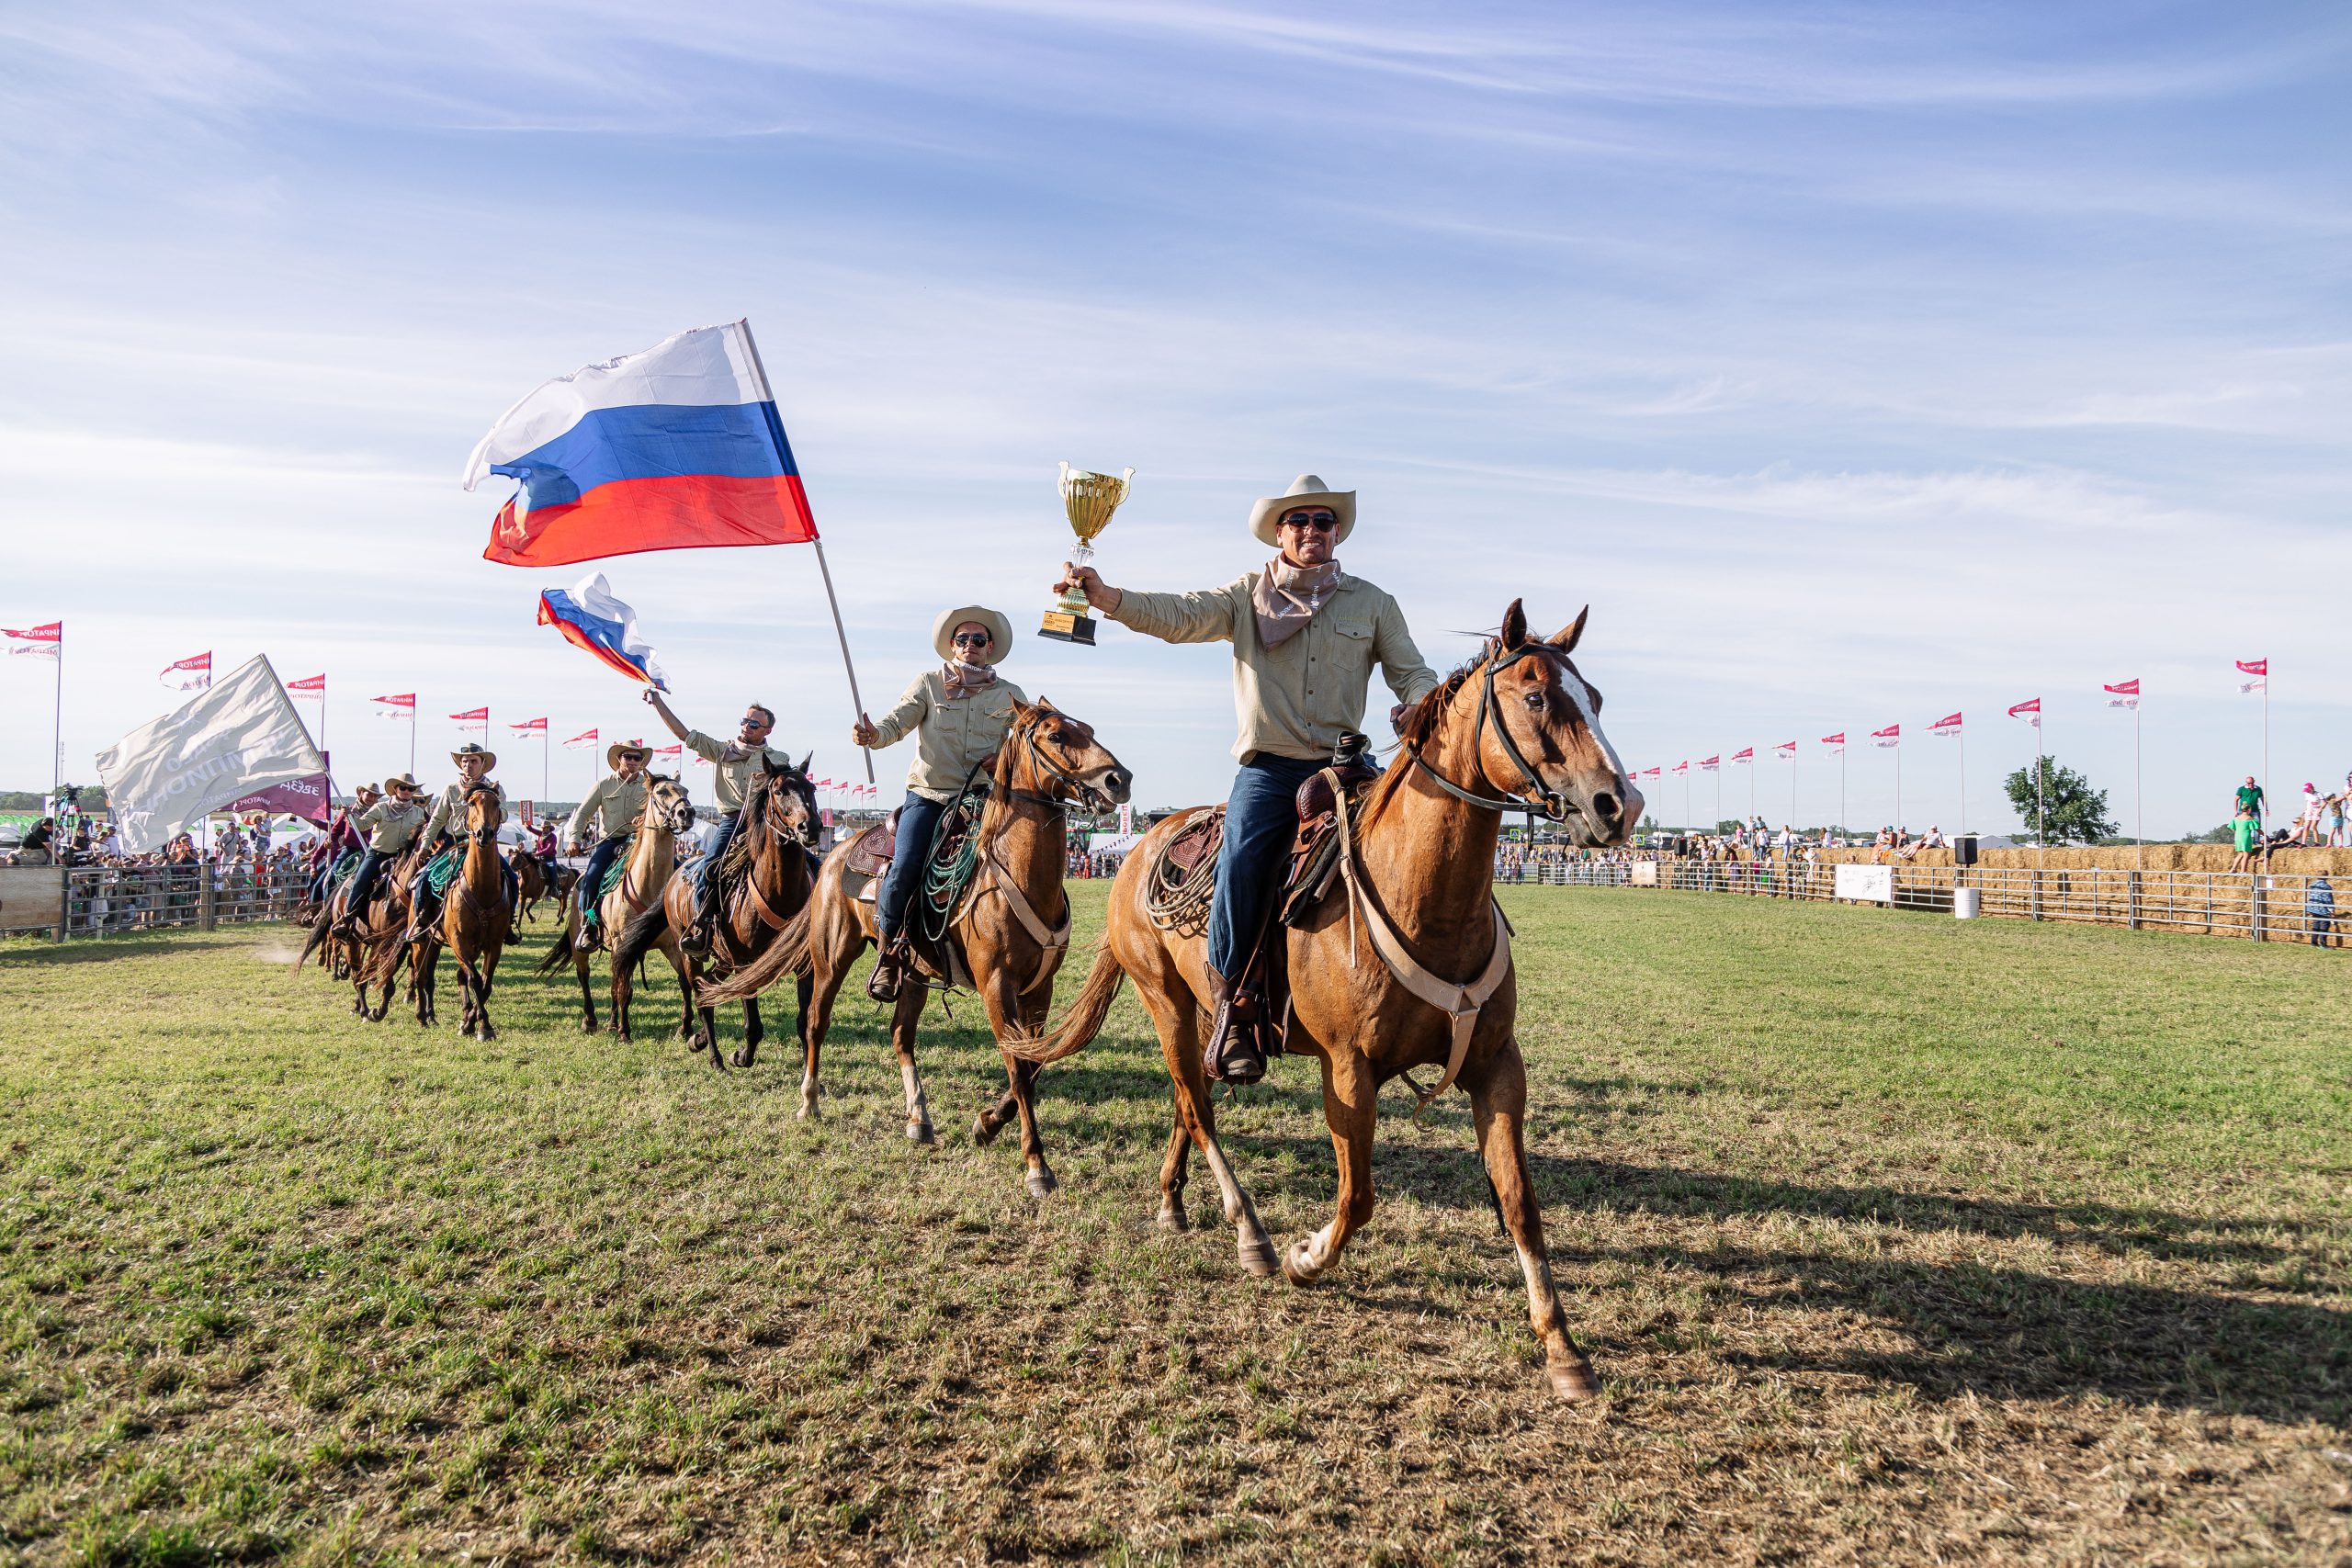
1089 500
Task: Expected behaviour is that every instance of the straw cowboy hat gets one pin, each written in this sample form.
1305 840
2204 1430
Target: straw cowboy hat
619 748
369 789
1308 489
943 631
401 781
489 758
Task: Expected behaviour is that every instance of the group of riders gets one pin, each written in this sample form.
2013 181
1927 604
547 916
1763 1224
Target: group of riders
1306 637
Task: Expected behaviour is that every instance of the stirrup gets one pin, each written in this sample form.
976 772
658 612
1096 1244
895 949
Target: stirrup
889 974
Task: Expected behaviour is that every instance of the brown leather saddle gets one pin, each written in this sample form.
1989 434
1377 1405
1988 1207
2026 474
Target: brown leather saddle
869 855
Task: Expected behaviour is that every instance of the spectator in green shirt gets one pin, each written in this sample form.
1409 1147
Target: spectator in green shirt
2250 798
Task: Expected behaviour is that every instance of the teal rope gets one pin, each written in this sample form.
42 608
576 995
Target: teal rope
944 881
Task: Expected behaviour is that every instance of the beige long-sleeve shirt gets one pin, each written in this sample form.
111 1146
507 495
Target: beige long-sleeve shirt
394 822
449 807
733 765
1293 700
950 736
613 804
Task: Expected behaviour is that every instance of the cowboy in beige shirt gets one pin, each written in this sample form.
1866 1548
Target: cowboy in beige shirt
392 823
448 819
612 808
1305 636
958 714
731 762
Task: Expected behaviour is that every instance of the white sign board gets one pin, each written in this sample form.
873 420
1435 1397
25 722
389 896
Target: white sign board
1870 884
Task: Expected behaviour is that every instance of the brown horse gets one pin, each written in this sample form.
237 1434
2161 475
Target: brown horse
475 919
531 880
375 935
1373 992
652 856
1009 936
771 851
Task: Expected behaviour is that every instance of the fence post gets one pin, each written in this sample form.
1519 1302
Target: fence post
2255 912
2034 883
207 910
2131 900
64 898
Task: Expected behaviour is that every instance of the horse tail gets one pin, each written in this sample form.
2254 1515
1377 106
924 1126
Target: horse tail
319 930
561 954
1083 1021
639 937
787 954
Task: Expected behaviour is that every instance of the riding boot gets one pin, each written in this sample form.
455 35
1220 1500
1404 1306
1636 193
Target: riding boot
1231 1054
889 971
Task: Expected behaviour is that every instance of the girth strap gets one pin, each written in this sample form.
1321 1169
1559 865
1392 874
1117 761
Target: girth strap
1461 1004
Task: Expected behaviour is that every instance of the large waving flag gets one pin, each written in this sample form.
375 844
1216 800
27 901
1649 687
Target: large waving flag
591 619
219 747
678 447
41 642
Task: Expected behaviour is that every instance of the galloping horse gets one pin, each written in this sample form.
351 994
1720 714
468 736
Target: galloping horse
1372 994
772 846
475 919
374 944
652 856
1003 937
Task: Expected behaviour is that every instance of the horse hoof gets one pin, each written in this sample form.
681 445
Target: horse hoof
808 1112
741 1058
984 1130
1258 1257
920 1132
1171 1217
1299 1264
588 1026
486 1034
1041 1184
1574 1381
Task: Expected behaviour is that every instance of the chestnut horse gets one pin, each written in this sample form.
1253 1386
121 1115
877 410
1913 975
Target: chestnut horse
475 919
532 880
375 934
652 856
1371 972
1009 936
771 844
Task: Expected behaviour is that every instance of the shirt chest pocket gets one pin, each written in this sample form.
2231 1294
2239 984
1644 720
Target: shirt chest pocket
1351 645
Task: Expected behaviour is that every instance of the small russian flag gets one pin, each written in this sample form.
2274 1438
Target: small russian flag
590 618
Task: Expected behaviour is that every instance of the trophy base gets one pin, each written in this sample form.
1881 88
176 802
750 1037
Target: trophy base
1063 627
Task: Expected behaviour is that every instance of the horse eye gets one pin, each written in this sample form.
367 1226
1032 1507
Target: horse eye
1535 700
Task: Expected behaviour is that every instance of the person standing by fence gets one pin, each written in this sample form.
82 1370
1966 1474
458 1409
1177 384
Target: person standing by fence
2318 908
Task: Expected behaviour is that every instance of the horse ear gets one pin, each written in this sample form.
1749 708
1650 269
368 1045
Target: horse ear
809 757
1568 636
1514 626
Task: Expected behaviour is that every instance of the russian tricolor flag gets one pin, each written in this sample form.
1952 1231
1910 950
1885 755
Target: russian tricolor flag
676 448
590 618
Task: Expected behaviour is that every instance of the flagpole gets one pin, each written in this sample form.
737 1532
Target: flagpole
1792 791
2138 815
1961 735
2265 735
857 703
412 740
547 732
1841 788
2040 824
57 719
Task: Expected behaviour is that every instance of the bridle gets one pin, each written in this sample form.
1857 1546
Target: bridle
486 834
1554 805
1080 792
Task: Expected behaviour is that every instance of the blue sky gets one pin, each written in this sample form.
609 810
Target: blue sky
1856 364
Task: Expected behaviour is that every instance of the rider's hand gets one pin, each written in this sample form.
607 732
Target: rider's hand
1086 579
863 732
1396 719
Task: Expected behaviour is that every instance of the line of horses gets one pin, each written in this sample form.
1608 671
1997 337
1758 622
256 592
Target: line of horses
1372 968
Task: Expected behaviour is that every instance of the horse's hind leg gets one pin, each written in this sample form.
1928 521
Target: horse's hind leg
905 1016
1179 1018
754 1031
1498 1090
828 968
587 997
1351 1097
1172 1172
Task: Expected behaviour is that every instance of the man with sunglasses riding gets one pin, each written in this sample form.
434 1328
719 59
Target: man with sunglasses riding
732 762
958 713
1306 637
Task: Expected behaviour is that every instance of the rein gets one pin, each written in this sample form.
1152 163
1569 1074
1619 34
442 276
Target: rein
1554 805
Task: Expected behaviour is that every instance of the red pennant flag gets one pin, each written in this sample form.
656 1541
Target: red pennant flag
585 738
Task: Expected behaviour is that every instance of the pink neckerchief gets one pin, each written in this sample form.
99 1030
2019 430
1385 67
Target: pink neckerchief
963 679
1287 596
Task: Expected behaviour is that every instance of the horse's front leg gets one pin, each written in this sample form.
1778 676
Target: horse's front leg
905 1016
1350 1103
489 978
753 1033
1498 1091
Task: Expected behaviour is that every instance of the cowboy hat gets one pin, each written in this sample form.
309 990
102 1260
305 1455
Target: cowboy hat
369 789
489 758
401 781
619 748
943 631
1308 489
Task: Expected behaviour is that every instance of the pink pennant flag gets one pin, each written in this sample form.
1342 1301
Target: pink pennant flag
2258 667
191 675
401 706
309 686
2029 710
1682 767
586 737
1745 754
2124 693
1890 736
1949 725
528 726
41 642
1786 749
1712 764
1836 743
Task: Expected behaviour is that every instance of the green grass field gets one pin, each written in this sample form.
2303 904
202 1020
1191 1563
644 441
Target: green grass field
1897 1240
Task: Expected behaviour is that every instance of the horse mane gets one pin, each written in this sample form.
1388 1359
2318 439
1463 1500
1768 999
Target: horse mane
1419 727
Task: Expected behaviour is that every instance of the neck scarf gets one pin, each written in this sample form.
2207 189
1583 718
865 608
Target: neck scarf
964 680
1287 596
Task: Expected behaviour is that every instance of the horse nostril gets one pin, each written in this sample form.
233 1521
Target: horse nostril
1604 806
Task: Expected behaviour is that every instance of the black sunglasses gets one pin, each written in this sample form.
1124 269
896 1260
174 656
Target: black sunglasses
974 639
751 723
1321 521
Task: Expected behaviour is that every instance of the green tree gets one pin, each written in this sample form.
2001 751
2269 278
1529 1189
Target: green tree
2070 810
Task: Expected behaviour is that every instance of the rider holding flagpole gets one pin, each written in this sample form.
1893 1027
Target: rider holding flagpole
1305 636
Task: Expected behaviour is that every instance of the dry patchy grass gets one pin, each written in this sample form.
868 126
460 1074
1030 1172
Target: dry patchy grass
1897 1241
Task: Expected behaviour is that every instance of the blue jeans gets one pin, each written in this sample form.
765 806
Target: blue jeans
918 820
1261 822
600 861
362 882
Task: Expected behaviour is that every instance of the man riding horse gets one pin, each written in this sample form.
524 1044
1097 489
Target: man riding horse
341 837
447 820
391 823
958 713
733 762
1305 636
612 806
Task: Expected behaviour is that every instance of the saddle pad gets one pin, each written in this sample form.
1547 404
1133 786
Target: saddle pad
345 863
441 871
613 875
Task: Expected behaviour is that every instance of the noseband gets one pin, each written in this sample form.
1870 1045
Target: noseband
1554 805
1080 792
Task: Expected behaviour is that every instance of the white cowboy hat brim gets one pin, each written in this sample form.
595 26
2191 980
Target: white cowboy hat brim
943 631
613 753
1305 490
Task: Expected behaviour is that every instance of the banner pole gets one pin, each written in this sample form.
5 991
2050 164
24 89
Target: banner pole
57 721
2139 813
1962 736
412 740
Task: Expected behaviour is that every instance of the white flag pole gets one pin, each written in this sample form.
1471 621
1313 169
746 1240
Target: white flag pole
1960 733
2139 813
857 703
57 719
